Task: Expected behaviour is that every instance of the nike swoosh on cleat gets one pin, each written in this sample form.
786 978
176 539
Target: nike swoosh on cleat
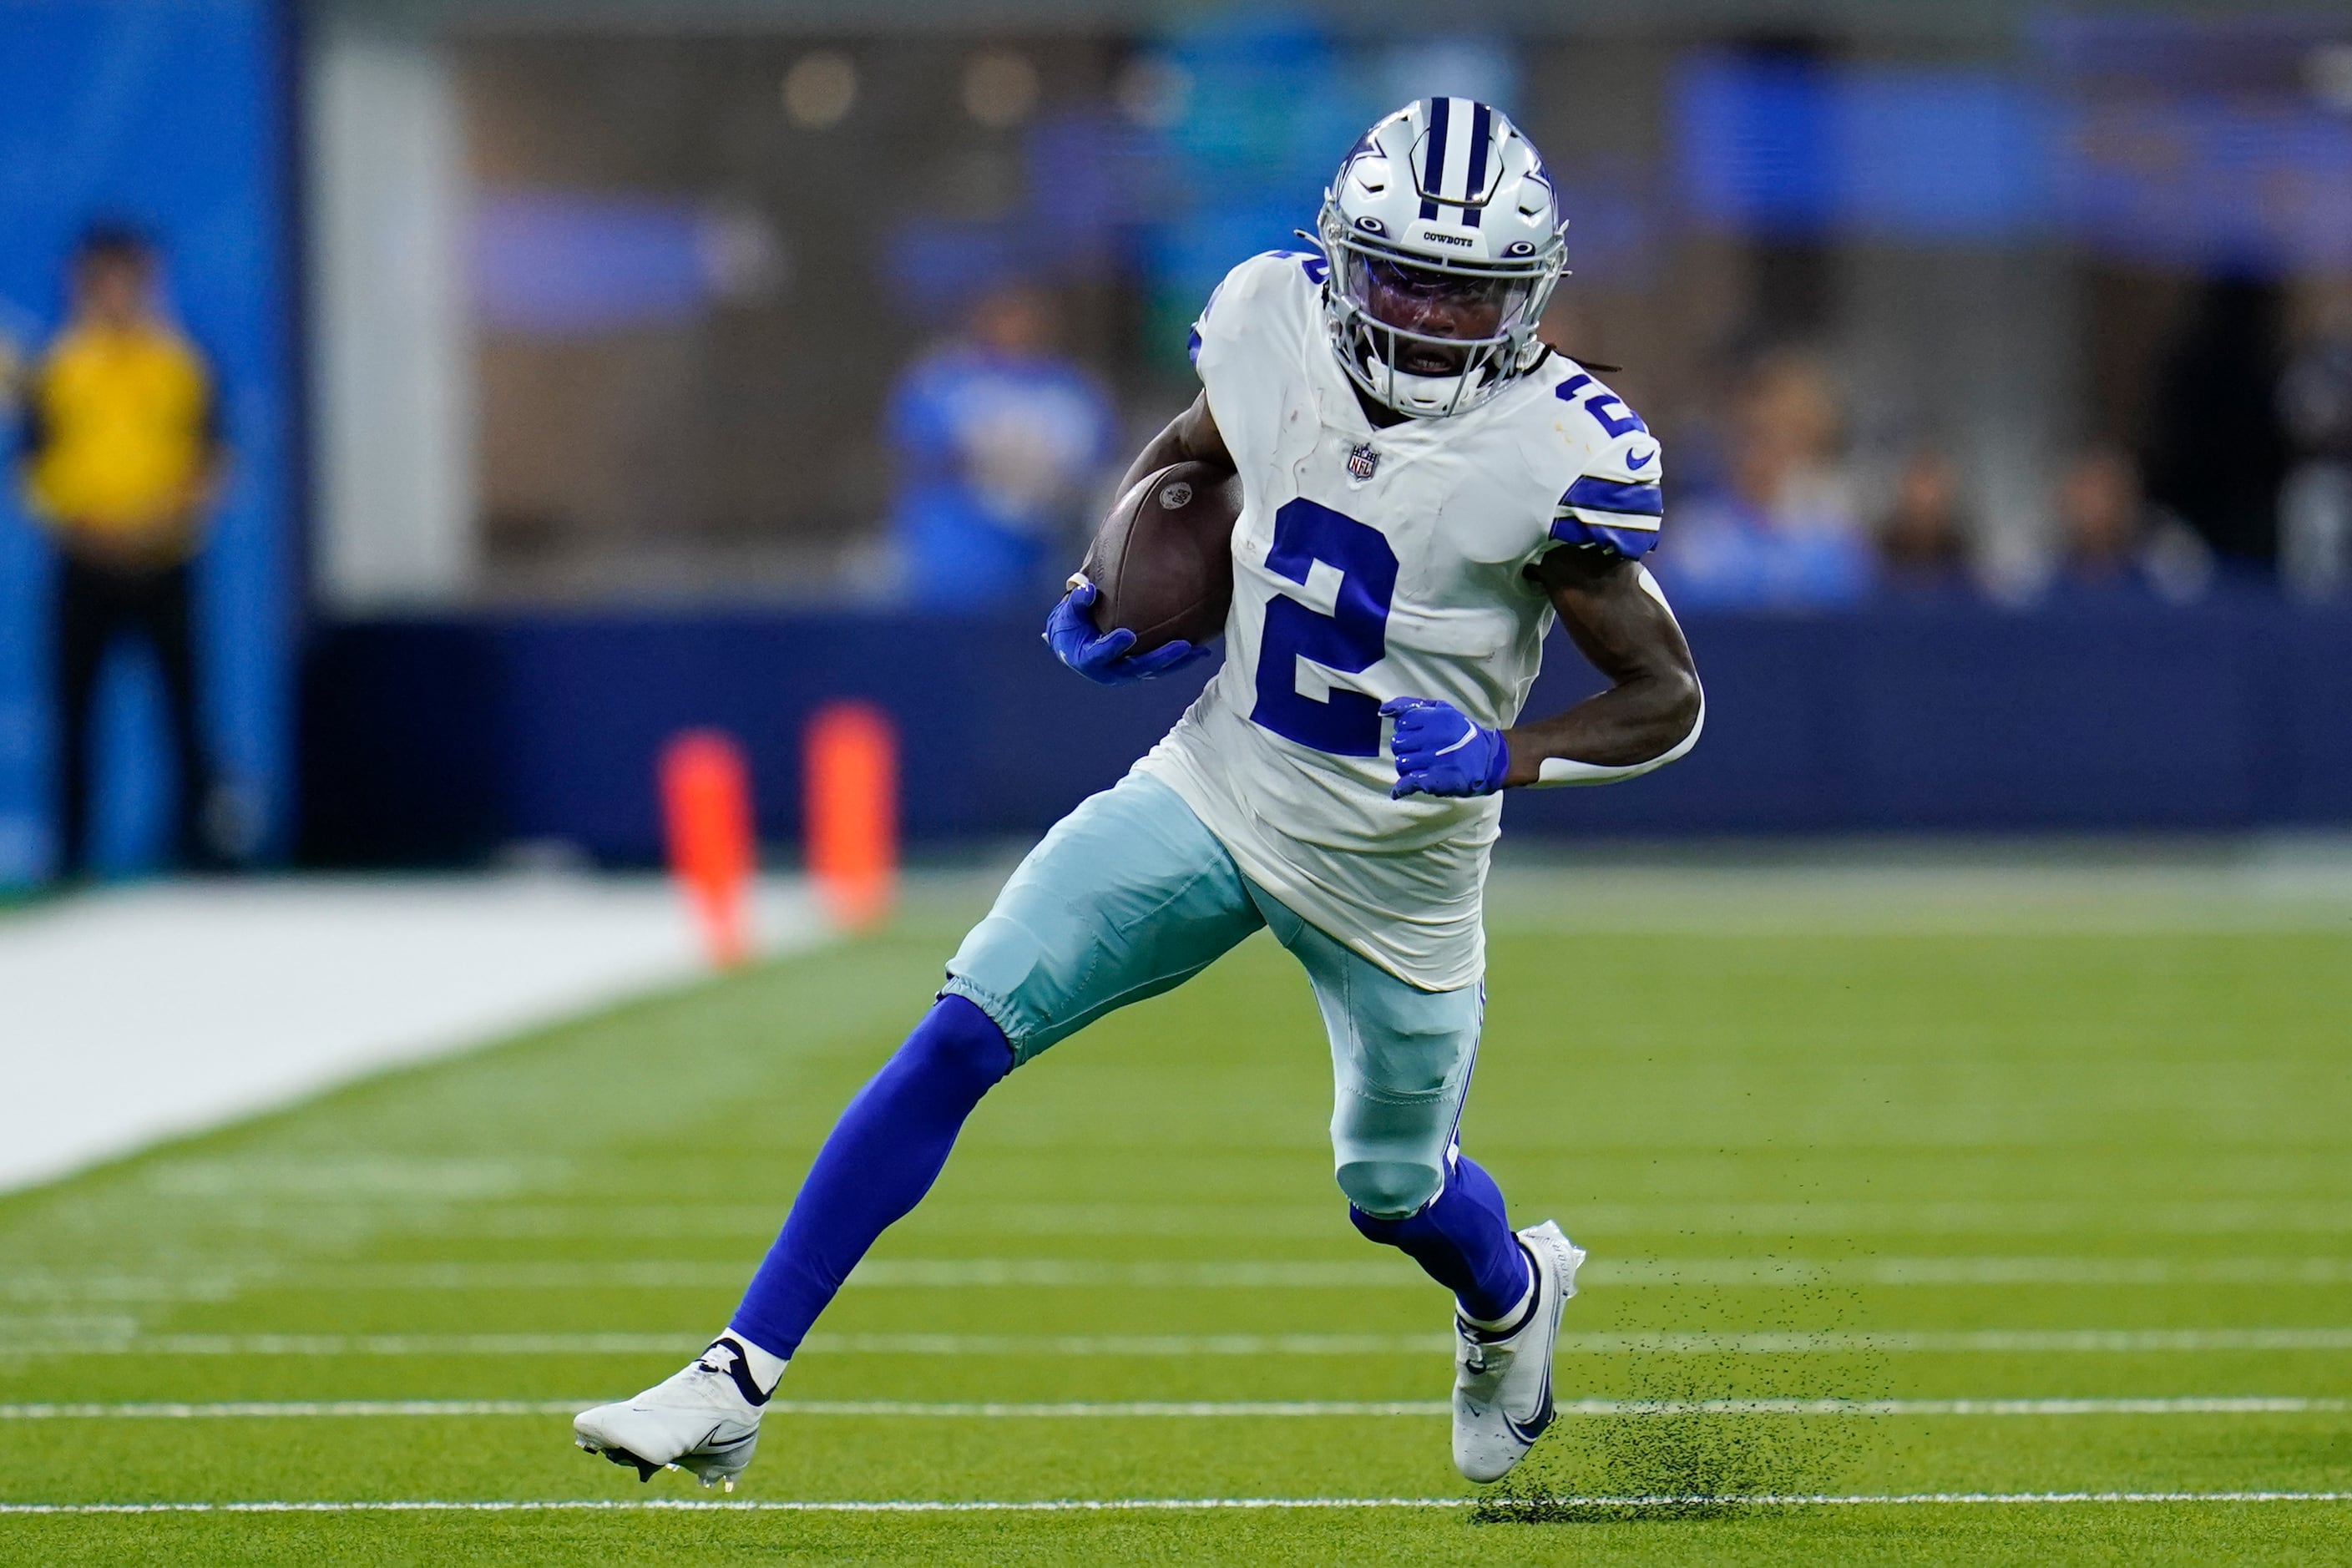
1535 1425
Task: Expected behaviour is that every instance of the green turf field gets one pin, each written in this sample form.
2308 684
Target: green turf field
1857 1157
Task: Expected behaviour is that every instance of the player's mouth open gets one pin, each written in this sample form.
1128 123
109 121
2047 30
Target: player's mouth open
1427 359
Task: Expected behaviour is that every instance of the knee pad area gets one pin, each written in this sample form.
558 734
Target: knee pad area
959 1039
1387 1191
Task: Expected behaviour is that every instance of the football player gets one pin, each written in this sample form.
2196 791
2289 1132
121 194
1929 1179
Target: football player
1427 488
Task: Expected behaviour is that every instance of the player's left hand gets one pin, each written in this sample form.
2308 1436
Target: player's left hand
1439 752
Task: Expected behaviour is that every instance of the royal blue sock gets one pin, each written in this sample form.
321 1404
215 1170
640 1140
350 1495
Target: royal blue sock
880 1160
1462 1238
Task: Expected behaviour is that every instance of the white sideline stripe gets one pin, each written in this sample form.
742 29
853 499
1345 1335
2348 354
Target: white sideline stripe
1839 1219
252 995
1832 1342
1176 1505
2242 1404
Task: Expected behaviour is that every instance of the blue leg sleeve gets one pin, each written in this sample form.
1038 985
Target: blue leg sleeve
1462 1238
880 1159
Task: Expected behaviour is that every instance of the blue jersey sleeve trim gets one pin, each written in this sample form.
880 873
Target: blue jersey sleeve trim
1643 498
1192 344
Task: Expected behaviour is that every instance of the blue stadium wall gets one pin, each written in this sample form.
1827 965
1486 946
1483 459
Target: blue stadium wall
172 114
439 740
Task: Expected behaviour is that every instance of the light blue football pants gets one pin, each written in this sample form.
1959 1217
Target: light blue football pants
1130 895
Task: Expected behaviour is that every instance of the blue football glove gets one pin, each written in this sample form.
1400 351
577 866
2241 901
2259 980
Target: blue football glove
1104 659
1439 752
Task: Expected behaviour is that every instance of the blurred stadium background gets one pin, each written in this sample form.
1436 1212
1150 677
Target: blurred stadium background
2004 358
590 371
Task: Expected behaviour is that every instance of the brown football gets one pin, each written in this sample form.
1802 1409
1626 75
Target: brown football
1163 558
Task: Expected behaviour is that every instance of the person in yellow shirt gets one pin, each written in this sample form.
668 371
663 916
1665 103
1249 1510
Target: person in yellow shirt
121 463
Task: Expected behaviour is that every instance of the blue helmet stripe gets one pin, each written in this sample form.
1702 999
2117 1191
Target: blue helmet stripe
1432 174
1482 120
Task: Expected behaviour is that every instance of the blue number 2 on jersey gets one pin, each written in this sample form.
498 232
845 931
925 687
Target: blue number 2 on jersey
1353 637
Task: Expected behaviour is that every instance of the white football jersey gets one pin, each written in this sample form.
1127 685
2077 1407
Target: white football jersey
1372 563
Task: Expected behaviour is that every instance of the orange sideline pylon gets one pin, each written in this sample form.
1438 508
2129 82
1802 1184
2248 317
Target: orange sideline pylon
707 807
851 788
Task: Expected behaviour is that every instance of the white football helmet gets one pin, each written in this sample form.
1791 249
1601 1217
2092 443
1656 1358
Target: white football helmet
1446 242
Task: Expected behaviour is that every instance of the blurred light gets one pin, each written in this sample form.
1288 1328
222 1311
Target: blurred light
820 90
1797 147
1153 92
742 256
1756 142
2228 186
2327 71
1000 87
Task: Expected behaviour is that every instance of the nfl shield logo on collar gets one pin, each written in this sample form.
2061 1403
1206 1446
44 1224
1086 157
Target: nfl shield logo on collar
1363 461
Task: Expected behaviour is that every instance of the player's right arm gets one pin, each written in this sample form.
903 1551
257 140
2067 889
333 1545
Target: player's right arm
1191 436
1246 311
1243 347
1103 658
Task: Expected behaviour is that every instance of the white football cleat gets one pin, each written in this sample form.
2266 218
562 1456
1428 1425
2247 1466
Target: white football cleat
1502 1378
705 1419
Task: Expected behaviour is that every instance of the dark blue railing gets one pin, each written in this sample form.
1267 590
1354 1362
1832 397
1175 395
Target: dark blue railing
439 739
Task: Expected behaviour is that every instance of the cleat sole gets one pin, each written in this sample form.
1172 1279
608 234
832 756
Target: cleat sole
620 1456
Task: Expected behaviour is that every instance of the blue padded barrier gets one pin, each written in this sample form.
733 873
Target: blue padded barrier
438 740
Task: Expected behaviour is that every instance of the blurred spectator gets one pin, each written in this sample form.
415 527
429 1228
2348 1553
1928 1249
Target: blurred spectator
1782 528
1787 466
121 461
1922 542
2217 452
12 371
2113 539
2315 503
1000 442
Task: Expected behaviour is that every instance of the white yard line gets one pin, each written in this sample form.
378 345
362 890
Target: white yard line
161 1010
1150 1410
112 1337
1188 1505
1756 1222
220 1283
